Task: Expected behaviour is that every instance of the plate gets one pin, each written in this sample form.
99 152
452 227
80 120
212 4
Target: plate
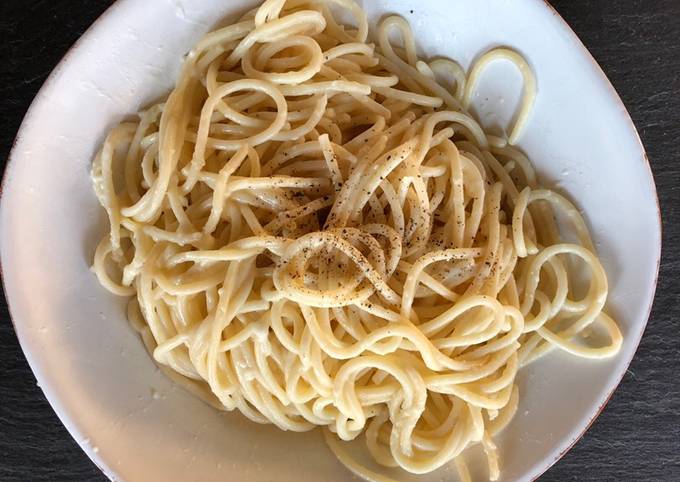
137 425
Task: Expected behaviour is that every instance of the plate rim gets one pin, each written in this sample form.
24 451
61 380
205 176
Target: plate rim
71 425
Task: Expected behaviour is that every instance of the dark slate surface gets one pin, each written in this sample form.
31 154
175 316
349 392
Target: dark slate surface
637 437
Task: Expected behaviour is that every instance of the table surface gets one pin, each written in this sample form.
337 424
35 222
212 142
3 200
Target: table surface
637 437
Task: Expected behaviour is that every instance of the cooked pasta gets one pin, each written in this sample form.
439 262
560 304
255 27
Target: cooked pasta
314 230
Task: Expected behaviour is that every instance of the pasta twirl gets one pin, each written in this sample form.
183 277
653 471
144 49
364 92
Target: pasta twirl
315 231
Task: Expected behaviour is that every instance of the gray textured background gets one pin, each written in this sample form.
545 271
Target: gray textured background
637 437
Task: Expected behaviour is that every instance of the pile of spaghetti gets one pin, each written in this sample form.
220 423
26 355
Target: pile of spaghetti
314 230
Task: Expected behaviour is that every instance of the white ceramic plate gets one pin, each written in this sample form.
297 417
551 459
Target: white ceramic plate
131 420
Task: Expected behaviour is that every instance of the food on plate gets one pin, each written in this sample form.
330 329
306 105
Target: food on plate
313 229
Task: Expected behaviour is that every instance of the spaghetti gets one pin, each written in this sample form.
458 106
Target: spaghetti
315 231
